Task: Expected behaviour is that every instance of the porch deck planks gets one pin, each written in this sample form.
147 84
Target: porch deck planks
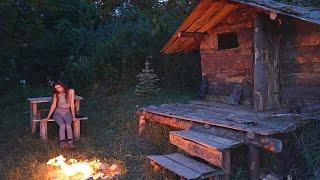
228 116
202 118
184 166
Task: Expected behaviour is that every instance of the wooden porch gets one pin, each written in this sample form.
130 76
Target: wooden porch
210 130
235 117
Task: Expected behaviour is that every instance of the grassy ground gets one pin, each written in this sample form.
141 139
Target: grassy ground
109 134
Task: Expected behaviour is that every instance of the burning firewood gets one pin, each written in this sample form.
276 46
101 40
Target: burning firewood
74 169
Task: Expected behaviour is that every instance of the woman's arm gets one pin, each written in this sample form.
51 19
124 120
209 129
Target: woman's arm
71 101
53 106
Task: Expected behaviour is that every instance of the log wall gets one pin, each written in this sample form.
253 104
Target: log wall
300 63
224 68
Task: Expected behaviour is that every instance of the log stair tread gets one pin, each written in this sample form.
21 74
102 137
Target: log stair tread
214 142
184 166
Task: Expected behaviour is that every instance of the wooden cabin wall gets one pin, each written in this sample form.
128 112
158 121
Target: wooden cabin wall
300 63
224 68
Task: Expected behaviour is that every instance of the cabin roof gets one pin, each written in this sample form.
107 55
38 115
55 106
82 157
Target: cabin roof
208 13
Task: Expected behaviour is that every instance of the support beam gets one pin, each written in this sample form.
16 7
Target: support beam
254 156
266 64
226 165
195 35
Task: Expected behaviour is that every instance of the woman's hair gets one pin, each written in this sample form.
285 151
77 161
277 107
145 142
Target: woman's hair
64 86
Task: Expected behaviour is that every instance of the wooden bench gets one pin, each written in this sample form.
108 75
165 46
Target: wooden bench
35 117
213 149
184 166
44 129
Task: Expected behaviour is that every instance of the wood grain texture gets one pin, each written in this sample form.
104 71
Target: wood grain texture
206 19
194 15
254 156
211 155
191 163
239 118
211 141
175 167
266 64
181 164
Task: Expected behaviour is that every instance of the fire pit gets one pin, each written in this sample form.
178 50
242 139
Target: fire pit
73 169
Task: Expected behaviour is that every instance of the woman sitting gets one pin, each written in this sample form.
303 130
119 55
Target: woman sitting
63 111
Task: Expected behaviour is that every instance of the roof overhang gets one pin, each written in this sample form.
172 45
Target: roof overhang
208 13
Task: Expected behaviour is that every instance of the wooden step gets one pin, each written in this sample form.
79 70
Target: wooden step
213 149
184 166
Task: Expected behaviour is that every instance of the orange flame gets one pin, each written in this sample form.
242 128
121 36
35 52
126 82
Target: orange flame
82 170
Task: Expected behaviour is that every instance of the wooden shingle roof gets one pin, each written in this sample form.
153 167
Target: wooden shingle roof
208 13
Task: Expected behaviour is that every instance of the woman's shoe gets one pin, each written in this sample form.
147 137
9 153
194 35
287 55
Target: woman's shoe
70 143
63 144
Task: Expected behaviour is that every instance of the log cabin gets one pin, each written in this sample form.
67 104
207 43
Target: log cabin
270 48
261 59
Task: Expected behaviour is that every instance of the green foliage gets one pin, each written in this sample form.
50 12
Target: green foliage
147 82
59 39
308 143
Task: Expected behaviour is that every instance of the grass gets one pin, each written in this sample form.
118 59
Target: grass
110 134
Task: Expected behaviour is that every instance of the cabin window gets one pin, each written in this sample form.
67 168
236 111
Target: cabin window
227 41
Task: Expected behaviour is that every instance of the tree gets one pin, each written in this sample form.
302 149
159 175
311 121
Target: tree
147 81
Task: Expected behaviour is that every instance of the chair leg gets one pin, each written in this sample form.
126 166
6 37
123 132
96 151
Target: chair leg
142 125
33 116
76 129
156 167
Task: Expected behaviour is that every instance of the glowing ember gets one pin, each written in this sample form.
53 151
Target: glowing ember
72 169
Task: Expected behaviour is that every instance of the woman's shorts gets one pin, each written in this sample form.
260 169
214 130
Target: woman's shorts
61 119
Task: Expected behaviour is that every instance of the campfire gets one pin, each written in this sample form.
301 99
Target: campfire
73 169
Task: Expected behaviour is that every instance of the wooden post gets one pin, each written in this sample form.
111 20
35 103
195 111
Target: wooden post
226 165
38 115
76 124
44 130
142 124
266 63
33 116
254 156
76 129
156 167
